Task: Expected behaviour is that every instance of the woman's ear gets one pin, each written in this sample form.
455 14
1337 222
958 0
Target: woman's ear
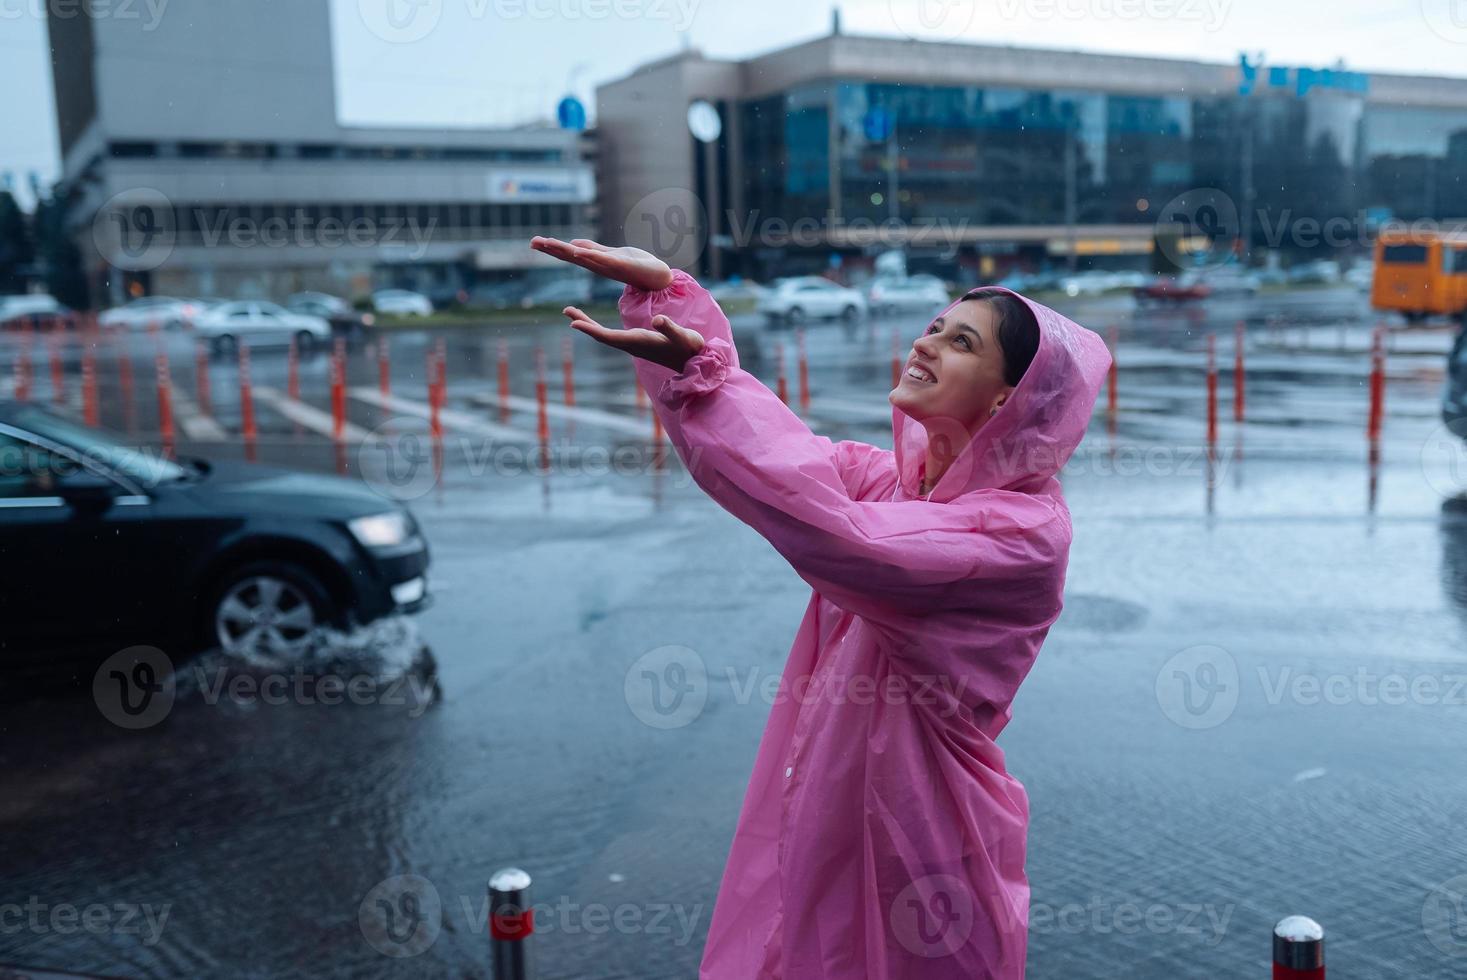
1003 396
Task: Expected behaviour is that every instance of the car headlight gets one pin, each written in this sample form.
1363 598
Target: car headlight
382 530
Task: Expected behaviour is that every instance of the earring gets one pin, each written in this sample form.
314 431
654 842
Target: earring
993 411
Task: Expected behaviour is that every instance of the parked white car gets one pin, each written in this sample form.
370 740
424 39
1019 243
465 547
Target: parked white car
29 304
804 297
166 312
401 302
919 292
257 324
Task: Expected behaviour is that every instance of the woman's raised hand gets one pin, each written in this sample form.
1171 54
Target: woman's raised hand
633 266
666 343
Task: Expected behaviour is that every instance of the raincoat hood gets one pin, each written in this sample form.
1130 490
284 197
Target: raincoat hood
1026 443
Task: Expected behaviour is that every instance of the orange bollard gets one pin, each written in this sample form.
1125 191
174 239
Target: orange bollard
89 386
1211 389
384 367
53 350
201 377
435 420
124 373
338 389
542 417
246 402
781 386
503 379
442 377
641 396
165 400
804 370
1239 383
23 371
569 367
896 358
1377 383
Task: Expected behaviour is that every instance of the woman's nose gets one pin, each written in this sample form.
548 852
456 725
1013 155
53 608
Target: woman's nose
924 345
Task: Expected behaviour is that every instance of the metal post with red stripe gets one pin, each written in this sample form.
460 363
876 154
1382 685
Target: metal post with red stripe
338 389
1298 949
511 924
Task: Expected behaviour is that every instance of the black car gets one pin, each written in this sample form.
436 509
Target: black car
346 321
105 546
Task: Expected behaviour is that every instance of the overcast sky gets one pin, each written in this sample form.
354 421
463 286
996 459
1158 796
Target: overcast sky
490 62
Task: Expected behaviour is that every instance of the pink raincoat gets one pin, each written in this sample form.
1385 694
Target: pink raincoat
881 834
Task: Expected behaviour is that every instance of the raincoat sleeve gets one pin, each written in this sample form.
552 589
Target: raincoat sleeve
893 563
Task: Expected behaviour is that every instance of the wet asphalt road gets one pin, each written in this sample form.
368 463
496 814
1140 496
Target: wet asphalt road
1251 706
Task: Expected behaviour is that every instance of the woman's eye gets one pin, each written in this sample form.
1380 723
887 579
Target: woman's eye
966 342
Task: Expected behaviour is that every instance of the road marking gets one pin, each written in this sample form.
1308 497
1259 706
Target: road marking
461 421
197 426
591 416
304 415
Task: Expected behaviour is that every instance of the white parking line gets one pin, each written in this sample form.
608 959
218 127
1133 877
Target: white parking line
459 421
197 426
304 415
591 416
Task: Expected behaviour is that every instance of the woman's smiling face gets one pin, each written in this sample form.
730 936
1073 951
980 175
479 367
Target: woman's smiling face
955 370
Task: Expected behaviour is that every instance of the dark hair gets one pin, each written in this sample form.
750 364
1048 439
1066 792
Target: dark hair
1018 331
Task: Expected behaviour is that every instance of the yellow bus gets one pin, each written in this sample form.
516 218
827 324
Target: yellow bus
1420 274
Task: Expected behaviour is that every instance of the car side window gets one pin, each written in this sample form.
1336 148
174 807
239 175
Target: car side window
27 470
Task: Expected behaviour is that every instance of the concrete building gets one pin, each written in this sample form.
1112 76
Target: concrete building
978 159
202 156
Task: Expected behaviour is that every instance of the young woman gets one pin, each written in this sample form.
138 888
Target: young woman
881 835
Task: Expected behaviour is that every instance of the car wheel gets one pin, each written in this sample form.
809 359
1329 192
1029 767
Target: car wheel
225 345
795 316
267 614
850 314
305 341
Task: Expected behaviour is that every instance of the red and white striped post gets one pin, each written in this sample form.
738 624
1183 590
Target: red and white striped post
542 415
246 403
90 409
568 364
384 367
442 378
781 385
1211 389
511 924
338 389
1112 379
1239 376
503 360
435 418
23 369
124 374
165 399
804 371
1377 383
201 377
293 370
1298 949
53 350
896 358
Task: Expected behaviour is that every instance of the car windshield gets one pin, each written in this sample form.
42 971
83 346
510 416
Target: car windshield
140 464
